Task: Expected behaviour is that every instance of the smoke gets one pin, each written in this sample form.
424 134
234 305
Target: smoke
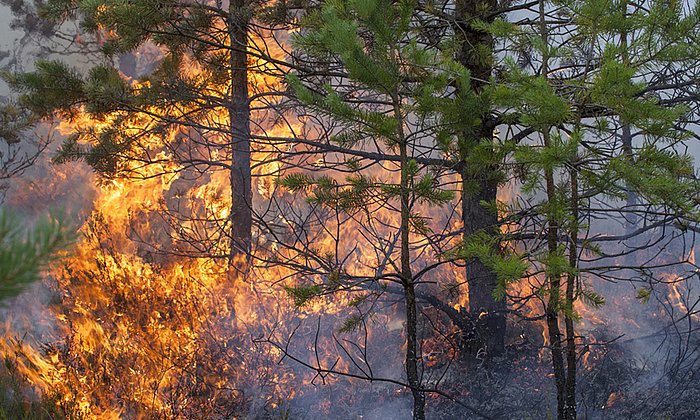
629 347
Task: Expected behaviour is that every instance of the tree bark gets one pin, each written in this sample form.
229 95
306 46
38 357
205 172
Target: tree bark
412 356
477 186
554 299
571 278
626 137
241 217
564 372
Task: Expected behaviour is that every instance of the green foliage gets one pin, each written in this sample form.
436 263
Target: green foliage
663 177
56 89
105 91
643 294
351 324
358 300
69 150
556 263
361 123
426 191
592 298
337 30
301 295
508 267
24 252
296 182
52 87
538 105
499 28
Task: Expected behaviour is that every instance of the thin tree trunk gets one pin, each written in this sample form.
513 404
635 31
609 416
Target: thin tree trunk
564 374
554 300
631 196
479 186
626 137
412 356
241 217
412 351
570 406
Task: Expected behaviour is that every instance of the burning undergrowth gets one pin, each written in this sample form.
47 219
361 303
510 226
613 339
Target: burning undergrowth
123 329
157 313
129 330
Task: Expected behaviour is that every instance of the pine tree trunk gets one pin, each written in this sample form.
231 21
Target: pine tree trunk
412 373
241 217
554 300
487 312
412 356
626 138
570 406
564 372
555 341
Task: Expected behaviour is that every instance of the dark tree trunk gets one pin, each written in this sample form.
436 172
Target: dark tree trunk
412 349
563 359
412 357
554 300
626 138
241 217
488 313
480 185
570 407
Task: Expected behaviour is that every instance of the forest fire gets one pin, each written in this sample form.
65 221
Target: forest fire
362 209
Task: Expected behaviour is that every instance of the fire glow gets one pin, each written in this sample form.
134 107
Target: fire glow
158 311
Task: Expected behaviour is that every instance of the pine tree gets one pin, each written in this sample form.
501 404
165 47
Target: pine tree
394 104
24 251
481 175
582 84
188 116
559 91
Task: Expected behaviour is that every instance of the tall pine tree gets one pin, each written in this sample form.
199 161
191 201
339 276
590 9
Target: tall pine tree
188 115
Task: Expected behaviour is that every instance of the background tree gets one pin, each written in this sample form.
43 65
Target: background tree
578 91
396 116
187 117
480 173
183 131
